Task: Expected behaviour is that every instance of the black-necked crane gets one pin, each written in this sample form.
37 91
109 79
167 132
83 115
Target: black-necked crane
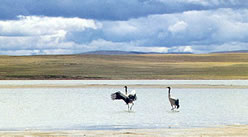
174 102
128 98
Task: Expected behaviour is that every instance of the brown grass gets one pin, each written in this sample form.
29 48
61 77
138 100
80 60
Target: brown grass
162 66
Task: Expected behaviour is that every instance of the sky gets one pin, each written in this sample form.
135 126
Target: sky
47 27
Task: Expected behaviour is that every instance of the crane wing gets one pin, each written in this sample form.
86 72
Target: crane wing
118 95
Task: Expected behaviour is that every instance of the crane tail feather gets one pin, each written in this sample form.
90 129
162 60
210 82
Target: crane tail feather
177 103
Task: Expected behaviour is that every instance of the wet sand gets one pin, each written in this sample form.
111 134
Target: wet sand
224 131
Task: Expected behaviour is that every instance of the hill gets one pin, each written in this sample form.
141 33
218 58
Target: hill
235 51
117 52
114 52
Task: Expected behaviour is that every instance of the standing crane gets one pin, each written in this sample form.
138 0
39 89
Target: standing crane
174 102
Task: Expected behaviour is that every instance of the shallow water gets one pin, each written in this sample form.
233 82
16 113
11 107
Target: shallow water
92 108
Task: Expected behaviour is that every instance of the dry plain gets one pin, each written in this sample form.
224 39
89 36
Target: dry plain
143 66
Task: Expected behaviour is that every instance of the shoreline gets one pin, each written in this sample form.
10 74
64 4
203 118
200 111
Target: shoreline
227 131
233 84
121 85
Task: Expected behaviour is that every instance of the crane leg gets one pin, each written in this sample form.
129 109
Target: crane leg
172 108
131 106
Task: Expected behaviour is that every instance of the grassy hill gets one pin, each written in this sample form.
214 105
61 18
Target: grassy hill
142 66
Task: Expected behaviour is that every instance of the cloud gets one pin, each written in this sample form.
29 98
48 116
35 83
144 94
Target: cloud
192 27
228 46
36 25
31 33
190 31
180 31
209 4
101 44
109 10
179 26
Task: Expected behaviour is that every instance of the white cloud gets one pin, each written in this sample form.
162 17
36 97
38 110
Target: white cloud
121 28
38 25
31 33
181 49
178 27
101 44
191 31
19 52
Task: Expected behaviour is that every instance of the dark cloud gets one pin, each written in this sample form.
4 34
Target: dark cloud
107 9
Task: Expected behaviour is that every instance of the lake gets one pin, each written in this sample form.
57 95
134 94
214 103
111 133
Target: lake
91 108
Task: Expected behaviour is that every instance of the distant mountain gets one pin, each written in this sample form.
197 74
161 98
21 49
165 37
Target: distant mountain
113 52
117 52
235 51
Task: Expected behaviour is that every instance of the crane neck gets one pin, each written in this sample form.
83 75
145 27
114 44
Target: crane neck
126 90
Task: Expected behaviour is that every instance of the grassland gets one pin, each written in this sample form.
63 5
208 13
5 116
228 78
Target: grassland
162 66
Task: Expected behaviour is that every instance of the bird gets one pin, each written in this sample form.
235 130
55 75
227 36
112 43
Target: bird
174 102
127 98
